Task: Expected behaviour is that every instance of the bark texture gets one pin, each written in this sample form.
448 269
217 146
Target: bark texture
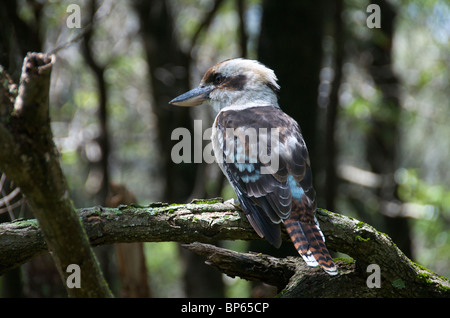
30 158
209 221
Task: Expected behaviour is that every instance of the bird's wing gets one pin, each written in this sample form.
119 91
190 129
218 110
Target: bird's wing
263 171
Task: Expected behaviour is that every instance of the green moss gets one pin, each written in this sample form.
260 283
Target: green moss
361 239
155 211
157 204
384 234
26 223
207 201
424 276
92 211
360 224
326 212
421 267
281 293
115 212
444 288
344 261
399 284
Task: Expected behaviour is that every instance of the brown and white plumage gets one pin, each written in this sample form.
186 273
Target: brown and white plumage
244 92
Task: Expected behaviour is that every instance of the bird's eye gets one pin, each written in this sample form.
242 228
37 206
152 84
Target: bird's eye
218 79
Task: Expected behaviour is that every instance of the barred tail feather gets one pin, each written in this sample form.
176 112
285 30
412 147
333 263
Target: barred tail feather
310 243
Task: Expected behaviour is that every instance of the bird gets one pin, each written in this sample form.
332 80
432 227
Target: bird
261 151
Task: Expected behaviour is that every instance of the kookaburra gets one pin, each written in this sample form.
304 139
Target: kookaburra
261 151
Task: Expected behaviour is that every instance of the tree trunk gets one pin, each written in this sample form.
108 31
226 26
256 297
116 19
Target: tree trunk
29 157
130 257
332 105
383 137
291 44
169 77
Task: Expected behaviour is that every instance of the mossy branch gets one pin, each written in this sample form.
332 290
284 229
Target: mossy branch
23 239
210 221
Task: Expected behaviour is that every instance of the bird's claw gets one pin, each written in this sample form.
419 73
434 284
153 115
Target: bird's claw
235 202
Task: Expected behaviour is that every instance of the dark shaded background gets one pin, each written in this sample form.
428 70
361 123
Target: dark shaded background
373 105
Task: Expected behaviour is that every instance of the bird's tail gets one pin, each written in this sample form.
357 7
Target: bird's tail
305 233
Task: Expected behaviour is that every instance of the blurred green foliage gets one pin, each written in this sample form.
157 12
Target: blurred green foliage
421 55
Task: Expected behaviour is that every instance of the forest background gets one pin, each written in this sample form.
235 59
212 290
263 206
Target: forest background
373 104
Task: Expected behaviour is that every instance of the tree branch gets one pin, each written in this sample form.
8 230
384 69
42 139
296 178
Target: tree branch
250 266
30 158
209 221
23 239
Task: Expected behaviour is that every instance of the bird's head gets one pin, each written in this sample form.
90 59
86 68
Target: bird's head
238 81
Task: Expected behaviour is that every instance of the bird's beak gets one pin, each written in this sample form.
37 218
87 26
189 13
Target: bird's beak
194 97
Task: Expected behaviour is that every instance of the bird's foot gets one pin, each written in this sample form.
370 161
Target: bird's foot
235 202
